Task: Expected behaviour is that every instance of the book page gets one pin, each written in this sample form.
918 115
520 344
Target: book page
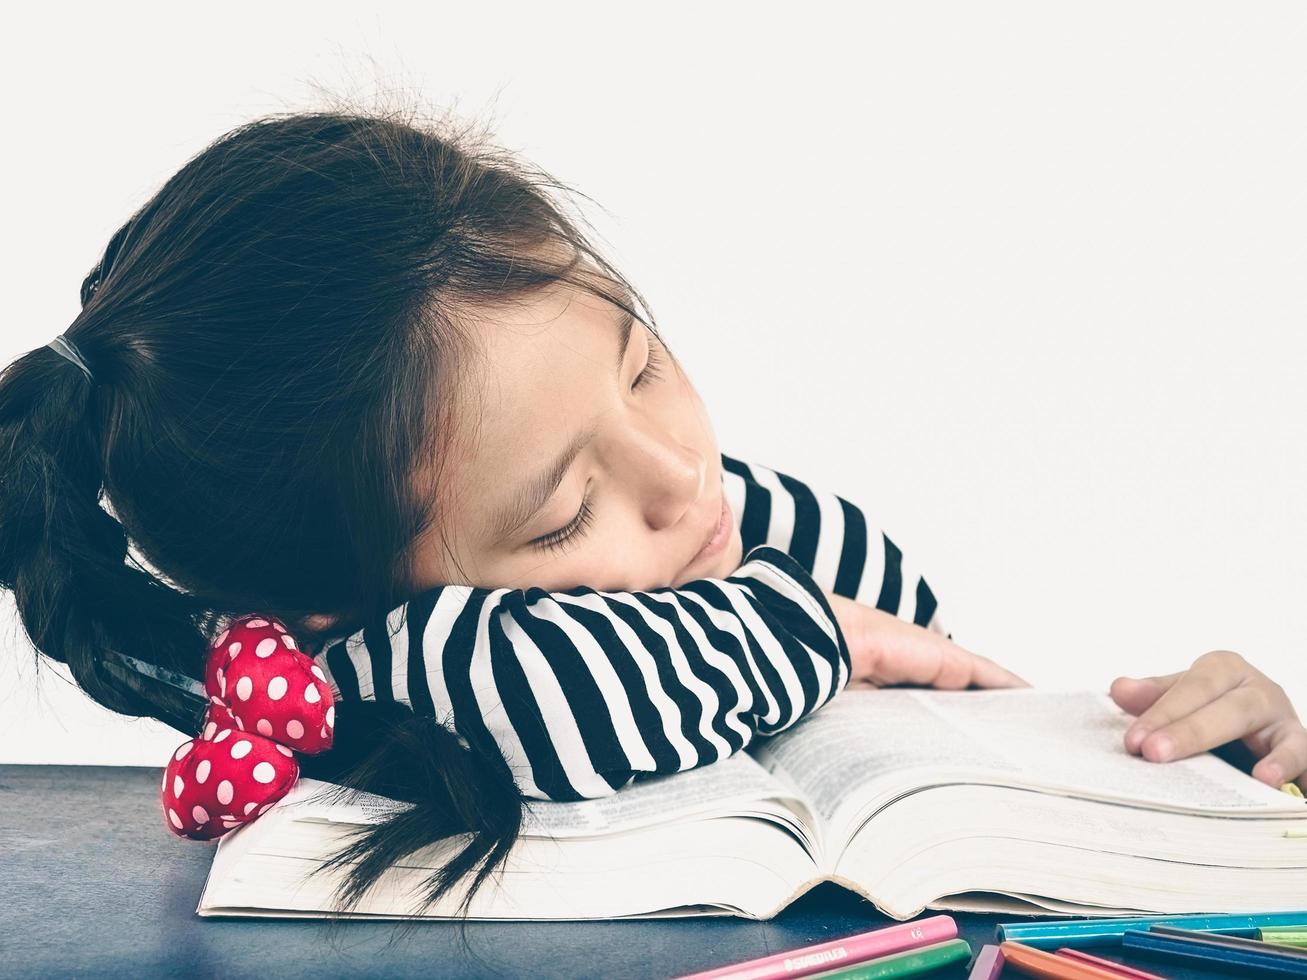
862 735
866 740
731 786
1077 739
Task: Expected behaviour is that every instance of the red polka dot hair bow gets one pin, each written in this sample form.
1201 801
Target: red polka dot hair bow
267 700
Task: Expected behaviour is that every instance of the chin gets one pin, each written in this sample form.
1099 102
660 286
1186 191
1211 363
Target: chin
733 556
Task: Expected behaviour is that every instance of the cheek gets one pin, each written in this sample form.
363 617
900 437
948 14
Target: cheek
631 559
686 411
599 564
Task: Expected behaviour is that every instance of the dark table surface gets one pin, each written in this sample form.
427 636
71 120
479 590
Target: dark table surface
91 884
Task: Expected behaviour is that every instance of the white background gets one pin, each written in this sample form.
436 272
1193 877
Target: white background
1025 281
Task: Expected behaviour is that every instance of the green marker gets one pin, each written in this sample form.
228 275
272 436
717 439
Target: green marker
1284 935
906 964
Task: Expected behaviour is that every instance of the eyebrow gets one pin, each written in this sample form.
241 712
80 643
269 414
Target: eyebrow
535 493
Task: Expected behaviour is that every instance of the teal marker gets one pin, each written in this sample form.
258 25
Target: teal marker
1108 931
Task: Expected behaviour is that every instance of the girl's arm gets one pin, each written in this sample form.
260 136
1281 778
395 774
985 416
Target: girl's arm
832 539
888 614
583 690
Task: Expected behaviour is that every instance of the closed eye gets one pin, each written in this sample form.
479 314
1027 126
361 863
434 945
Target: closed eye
577 526
653 367
554 540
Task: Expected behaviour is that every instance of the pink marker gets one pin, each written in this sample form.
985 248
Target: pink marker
988 964
838 953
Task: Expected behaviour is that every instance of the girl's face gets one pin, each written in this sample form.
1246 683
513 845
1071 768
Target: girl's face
587 458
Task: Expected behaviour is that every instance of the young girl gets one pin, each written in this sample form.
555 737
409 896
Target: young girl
361 372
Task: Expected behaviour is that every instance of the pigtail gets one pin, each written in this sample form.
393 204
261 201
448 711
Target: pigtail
66 557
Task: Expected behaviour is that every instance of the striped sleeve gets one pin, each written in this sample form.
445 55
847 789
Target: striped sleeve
585 690
831 538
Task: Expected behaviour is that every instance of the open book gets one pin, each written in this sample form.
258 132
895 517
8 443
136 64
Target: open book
1007 800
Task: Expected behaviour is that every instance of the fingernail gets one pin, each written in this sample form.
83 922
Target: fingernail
1163 747
1274 775
1134 736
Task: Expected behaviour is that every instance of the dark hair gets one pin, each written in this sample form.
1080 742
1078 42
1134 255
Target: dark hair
276 338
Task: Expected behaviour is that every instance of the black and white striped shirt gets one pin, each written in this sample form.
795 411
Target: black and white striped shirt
585 690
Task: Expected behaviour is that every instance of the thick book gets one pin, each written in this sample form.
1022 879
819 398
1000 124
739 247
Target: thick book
1019 800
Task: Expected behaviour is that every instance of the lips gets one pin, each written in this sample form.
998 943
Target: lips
709 541
716 525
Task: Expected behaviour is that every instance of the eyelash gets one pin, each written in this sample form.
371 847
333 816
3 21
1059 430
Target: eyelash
554 540
652 369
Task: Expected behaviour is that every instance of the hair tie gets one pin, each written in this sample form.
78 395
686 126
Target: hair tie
267 699
65 347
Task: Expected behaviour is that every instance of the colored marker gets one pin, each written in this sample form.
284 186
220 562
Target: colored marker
858 948
1229 942
1285 936
1108 931
988 964
909 963
1120 969
1268 959
1240 933
1044 964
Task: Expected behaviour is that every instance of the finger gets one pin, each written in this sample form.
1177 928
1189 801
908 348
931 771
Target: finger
924 658
1287 760
1204 682
921 658
1137 694
955 667
986 673
1231 715
960 669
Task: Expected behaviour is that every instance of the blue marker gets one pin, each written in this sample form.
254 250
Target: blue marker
1237 959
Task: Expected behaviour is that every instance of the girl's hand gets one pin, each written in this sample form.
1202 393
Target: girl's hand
1220 698
887 650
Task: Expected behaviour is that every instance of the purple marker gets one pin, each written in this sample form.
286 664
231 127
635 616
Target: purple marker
988 965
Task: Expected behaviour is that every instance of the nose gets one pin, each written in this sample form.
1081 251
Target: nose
668 475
